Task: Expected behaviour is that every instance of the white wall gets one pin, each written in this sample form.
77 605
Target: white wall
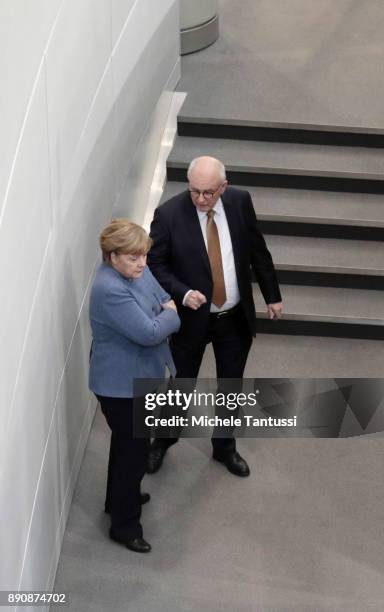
81 80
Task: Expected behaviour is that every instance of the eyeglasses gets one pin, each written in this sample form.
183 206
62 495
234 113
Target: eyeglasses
207 195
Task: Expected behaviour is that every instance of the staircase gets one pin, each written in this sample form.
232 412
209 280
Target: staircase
318 193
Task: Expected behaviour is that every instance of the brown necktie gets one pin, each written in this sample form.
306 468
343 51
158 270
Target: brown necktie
219 295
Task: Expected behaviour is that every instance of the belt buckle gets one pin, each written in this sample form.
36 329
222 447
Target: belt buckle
222 313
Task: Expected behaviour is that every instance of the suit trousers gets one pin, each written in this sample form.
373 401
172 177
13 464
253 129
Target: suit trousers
231 341
126 467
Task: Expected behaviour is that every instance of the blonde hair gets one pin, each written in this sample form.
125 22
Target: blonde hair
124 236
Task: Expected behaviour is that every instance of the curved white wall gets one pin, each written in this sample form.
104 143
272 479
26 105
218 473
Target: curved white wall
80 83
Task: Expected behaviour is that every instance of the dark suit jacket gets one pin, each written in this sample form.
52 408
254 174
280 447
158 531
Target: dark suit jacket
179 259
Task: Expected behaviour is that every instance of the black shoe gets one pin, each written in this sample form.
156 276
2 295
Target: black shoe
144 499
234 463
155 457
135 544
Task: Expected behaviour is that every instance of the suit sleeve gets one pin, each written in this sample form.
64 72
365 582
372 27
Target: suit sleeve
160 258
261 259
123 314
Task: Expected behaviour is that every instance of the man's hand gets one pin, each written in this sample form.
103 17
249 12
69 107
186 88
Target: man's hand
275 311
195 299
170 304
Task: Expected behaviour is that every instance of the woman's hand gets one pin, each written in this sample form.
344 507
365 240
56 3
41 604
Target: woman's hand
170 304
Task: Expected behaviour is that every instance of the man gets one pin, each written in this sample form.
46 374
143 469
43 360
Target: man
205 242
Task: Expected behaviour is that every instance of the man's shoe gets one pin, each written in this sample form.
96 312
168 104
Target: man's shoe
155 458
135 544
234 463
144 499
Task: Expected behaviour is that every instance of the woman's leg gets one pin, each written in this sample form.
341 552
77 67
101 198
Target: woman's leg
109 478
126 468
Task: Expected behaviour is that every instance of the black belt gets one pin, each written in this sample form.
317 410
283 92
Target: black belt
226 313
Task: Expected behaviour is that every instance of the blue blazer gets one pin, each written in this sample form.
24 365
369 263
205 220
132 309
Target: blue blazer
130 330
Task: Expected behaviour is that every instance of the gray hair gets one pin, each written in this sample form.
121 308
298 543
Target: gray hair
220 166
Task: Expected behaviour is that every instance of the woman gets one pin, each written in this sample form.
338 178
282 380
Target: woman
131 317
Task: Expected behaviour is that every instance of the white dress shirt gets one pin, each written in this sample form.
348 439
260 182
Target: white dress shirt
230 279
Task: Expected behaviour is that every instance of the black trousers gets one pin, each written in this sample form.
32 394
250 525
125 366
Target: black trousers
126 467
231 341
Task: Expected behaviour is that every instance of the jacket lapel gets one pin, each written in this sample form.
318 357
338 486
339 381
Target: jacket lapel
232 215
194 230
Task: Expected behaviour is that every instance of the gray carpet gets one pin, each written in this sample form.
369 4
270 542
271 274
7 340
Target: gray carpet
304 61
301 534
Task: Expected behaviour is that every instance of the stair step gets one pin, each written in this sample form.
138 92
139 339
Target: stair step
323 255
289 165
312 213
328 262
271 131
321 311
328 304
